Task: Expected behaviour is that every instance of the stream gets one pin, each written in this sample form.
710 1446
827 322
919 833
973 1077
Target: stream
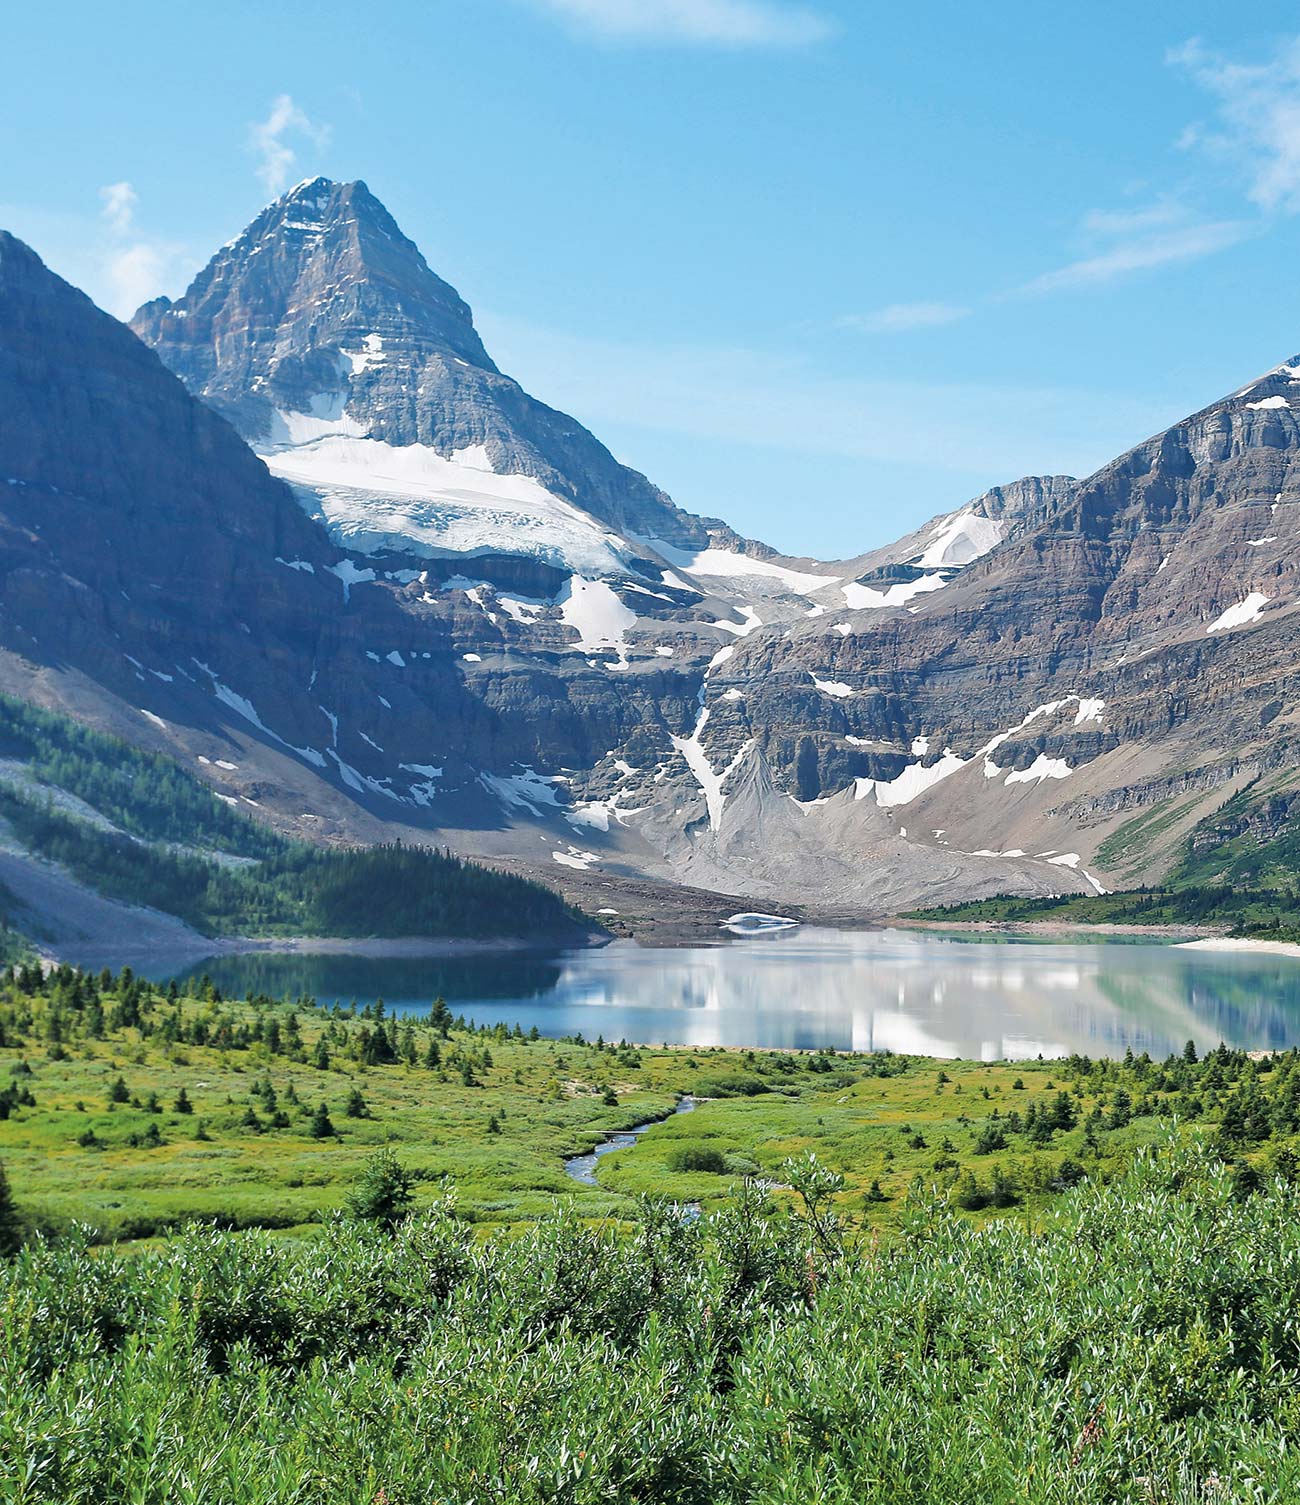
583 1167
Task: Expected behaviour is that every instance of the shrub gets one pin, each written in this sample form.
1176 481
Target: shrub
382 1193
697 1157
734 1084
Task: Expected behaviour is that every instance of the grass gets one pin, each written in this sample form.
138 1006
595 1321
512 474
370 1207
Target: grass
496 1114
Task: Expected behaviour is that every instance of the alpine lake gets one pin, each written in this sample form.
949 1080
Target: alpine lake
801 988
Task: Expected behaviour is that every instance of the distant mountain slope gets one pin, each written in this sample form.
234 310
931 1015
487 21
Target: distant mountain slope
82 811
462 615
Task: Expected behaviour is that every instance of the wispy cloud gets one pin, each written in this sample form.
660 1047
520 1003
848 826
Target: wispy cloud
899 318
119 201
719 23
267 138
1130 252
770 400
1258 122
132 268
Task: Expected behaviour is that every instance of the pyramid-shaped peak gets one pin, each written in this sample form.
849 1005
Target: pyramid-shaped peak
324 264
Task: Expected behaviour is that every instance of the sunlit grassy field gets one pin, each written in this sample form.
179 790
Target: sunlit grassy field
494 1114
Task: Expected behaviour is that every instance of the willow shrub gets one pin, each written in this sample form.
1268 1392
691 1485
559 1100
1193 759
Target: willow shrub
1140 1346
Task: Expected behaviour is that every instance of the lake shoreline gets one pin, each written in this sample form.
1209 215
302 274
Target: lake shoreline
1187 934
193 953
1241 943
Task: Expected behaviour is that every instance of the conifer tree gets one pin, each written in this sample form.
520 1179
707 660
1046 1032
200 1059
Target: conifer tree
10 1224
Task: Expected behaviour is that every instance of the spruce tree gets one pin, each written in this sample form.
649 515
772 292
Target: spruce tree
382 1193
10 1225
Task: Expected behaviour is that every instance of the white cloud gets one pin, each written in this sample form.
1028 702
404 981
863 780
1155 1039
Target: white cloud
726 23
135 274
119 200
1158 216
267 139
898 318
1258 126
1140 253
122 268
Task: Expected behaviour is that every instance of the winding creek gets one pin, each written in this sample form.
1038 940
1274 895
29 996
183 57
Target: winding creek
583 1167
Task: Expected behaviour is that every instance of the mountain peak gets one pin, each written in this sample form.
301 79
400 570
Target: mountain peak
323 323
284 311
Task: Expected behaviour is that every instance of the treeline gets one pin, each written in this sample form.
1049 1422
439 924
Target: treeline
147 794
284 888
391 890
1270 913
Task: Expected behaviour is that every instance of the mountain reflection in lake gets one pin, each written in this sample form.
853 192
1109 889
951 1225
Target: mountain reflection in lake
862 990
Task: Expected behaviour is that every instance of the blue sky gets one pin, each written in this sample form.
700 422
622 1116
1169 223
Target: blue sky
822 268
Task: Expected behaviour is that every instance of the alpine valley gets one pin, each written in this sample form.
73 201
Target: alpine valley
296 531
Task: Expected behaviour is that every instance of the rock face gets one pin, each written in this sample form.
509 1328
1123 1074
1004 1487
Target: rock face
435 605
322 308
129 513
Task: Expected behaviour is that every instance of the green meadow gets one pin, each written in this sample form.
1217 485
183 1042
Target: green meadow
253 1252
137 1112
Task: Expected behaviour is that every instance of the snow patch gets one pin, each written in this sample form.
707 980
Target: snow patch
959 540
1041 768
726 564
1270 402
1240 615
697 760
758 924
574 858
245 708
742 629
595 612
350 575
523 609
528 790
864 598
370 354
914 780
832 687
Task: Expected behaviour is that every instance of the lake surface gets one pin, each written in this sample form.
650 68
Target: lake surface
806 988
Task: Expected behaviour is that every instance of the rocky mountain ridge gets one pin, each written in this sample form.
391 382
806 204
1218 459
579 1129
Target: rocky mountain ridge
457 612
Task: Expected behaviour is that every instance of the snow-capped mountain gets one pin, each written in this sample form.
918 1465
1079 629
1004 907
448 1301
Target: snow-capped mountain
358 374
437 605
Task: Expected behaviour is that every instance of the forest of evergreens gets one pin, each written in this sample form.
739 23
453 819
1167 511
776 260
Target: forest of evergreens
174 841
